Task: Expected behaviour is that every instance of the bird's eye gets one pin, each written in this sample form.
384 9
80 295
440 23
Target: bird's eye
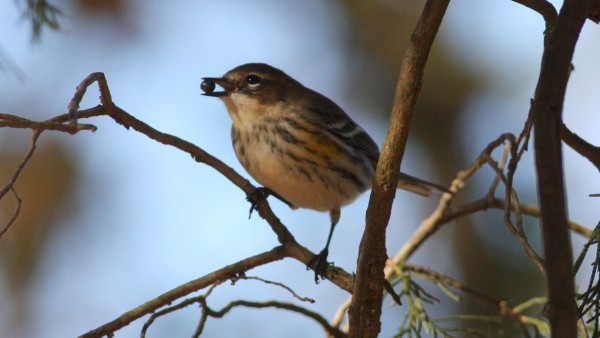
253 80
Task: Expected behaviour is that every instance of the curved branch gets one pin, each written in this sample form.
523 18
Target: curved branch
585 149
289 248
17 173
545 8
547 118
166 298
15 214
332 331
365 311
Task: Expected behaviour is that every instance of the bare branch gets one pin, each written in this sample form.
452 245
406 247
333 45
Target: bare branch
335 332
15 214
547 117
365 311
543 7
183 304
12 121
18 171
281 285
336 275
504 310
166 298
585 149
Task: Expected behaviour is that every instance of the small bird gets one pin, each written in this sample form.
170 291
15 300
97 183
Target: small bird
299 144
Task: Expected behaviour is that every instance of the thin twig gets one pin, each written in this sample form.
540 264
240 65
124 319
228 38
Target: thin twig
333 331
15 214
17 173
336 275
516 229
21 166
432 223
166 298
183 304
10 121
266 281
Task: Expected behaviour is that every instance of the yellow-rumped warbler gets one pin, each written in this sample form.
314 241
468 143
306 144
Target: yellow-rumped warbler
299 144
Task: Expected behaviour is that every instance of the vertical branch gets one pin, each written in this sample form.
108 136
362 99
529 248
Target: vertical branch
549 98
365 311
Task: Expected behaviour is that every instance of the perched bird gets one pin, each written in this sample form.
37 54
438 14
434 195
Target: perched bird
299 144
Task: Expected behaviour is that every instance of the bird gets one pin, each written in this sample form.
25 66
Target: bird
300 145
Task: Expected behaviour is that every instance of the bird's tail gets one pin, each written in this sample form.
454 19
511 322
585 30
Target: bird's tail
419 186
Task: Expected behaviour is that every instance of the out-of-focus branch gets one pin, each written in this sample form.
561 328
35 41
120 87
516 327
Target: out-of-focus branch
365 311
15 214
11 184
430 226
502 306
41 14
13 121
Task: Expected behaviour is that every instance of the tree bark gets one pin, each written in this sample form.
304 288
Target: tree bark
365 311
548 105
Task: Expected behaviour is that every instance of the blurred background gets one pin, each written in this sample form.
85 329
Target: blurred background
112 219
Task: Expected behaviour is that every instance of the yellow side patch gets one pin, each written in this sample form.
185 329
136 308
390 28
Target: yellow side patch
323 147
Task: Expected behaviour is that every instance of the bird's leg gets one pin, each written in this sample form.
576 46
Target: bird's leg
261 193
320 261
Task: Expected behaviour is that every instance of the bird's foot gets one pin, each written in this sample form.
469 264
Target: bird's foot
319 264
258 195
262 193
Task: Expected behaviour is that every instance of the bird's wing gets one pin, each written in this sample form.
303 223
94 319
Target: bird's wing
339 126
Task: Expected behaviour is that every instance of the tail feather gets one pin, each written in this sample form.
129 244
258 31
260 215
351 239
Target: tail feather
419 186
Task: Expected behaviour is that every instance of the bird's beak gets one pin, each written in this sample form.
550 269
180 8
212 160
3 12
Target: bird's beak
208 86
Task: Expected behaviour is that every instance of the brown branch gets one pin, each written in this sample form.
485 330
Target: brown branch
12 121
105 97
15 214
365 311
11 184
202 301
21 166
166 298
594 13
336 275
430 226
441 214
549 100
289 248
332 331
512 205
183 304
585 149
543 7
269 282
